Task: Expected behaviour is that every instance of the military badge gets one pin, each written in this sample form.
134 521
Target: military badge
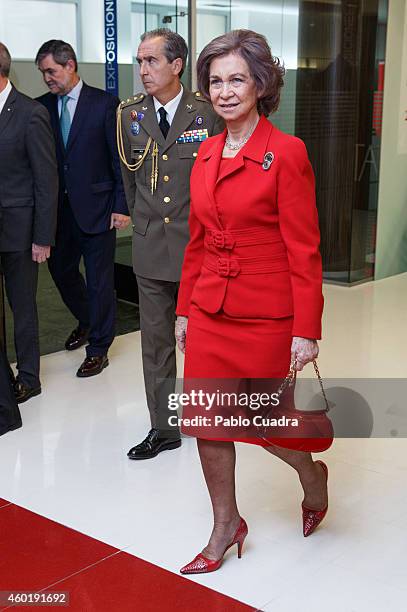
140 116
193 136
199 120
135 128
133 115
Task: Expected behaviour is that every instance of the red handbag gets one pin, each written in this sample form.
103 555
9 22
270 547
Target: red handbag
314 432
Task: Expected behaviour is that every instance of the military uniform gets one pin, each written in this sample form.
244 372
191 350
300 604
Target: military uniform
156 172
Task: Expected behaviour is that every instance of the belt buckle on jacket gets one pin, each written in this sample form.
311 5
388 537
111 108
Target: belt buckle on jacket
223 240
228 267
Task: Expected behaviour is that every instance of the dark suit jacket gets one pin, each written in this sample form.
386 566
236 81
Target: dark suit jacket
28 175
89 168
254 246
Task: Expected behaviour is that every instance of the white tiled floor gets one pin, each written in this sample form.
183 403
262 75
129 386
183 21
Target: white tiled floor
69 463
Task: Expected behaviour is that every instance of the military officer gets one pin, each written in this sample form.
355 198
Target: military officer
159 134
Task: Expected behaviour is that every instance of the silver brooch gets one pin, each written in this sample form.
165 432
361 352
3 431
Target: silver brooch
268 160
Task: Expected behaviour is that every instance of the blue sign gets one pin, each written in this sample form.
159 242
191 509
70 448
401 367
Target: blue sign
111 65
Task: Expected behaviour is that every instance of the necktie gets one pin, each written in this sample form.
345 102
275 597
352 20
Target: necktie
164 125
65 119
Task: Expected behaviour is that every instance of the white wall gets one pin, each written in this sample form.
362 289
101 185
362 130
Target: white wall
25 25
391 250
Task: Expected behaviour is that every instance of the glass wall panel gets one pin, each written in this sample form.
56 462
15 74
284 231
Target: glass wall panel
333 51
338 115
92 48
277 20
26 24
334 54
213 19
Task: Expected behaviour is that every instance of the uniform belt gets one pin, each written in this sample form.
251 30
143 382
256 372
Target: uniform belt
232 266
228 239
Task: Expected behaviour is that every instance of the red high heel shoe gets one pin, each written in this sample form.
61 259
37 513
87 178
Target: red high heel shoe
202 565
312 518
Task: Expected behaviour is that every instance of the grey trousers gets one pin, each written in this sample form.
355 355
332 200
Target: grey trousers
21 279
157 302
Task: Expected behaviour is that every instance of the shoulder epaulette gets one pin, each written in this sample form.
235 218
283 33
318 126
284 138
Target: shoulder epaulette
199 96
133 100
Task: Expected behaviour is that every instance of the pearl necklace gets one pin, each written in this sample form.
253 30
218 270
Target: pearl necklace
238 145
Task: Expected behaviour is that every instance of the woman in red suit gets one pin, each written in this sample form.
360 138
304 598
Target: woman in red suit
250 300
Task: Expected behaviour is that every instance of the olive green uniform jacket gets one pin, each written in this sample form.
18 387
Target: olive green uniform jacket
160 219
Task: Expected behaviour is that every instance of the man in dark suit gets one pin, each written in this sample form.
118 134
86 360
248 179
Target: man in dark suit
10 417
28 202
92 203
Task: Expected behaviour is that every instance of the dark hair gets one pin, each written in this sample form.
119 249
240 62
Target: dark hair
266 70
5 61
60 50
174 45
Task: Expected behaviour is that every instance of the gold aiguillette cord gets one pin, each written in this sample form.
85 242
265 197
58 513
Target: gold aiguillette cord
120 146
154 168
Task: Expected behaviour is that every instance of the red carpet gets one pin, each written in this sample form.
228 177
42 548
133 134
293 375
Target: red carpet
37 554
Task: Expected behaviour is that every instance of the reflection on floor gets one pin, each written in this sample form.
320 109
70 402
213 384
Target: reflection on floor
56 322
68 463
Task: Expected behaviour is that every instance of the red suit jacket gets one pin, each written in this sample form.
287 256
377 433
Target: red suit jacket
254 244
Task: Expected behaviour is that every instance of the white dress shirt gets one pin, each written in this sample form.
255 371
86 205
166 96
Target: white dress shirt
72 100
4 95
170 107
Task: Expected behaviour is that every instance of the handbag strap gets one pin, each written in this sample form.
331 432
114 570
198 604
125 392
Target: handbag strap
291 377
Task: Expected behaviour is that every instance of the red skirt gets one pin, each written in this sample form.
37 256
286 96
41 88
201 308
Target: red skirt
220 347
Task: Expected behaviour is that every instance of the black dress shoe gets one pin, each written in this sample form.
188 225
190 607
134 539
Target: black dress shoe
92 366
77 338
23 393
152 445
